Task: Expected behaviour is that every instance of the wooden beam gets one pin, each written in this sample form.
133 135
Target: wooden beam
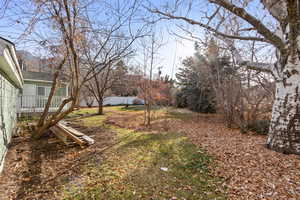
64 132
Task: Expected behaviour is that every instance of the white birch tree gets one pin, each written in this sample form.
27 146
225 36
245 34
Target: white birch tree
284 131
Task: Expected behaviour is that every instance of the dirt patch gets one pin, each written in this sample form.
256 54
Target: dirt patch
162 121
128 120
35 169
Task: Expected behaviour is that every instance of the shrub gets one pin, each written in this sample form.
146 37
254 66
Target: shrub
180 100
196 100
259 126
137 101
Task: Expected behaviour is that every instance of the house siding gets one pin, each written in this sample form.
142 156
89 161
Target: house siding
60 91
32 101
8 115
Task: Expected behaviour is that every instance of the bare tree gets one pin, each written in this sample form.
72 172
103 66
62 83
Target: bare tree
3 7
101 83
70 19
280 29
66 17
87 97
149 49
106 47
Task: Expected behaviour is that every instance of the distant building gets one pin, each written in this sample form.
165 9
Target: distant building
11 83
37 86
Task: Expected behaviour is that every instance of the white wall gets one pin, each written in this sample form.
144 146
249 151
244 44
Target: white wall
8 115
11 81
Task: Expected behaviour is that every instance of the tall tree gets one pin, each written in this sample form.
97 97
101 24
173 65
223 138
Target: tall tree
284 131
196 91
67 19
102 82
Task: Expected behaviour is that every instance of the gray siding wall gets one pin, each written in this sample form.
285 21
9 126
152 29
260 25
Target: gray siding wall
8 116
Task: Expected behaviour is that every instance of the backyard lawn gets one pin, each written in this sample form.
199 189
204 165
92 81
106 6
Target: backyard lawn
124 163
181 156
143 165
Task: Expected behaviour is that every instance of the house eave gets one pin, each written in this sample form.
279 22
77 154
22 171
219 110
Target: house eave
36 80
42 81
10 65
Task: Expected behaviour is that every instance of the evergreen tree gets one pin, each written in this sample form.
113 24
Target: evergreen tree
195 91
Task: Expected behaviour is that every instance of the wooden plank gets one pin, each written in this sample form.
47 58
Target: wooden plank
64 132
88 140
77 133
59 135
70 135
72 130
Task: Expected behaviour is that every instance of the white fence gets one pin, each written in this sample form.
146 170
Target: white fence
33 103
113 101
120 100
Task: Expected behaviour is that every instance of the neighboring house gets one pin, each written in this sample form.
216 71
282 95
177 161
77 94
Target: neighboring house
11 83
112 101
37 86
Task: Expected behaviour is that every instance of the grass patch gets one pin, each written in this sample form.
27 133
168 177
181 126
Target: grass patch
82 112
93 121
179 115
132 108
88 116
132 170
137 108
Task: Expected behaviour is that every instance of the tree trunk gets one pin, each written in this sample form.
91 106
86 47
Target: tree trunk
148 111
284 131
39 130
100 107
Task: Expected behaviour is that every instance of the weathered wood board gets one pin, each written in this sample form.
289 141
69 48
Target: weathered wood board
64 132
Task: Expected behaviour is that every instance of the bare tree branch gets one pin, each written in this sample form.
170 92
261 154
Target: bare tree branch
209 28
260 27
262 67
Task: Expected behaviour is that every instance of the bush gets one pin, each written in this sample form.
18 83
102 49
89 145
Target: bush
259 126
195 100
180 100
137 102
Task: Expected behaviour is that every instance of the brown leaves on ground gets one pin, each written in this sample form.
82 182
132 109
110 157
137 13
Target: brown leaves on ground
249 170
35 169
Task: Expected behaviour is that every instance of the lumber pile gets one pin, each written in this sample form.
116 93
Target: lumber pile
66 133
